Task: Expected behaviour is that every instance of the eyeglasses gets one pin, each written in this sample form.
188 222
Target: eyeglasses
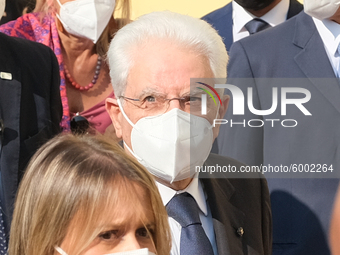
155 104
79 125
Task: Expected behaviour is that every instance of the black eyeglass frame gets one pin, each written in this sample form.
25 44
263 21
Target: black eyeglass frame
182 100
79 125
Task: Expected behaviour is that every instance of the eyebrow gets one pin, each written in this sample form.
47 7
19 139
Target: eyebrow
195 91
151 91
110 226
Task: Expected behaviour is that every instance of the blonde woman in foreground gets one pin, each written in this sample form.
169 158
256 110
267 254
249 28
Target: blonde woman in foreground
85 196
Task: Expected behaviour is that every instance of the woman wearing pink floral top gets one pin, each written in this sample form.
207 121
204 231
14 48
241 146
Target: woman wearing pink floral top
80 38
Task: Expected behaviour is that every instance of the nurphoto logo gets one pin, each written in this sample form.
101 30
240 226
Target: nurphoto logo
240 101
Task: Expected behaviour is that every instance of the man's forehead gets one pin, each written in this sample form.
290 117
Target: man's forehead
154 89
157 89
166 70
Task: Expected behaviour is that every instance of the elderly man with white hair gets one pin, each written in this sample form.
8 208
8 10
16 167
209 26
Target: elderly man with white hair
157 113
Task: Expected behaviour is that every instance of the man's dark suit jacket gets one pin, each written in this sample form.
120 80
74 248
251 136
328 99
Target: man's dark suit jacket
30 108
222 20
14 9
301 208
238 205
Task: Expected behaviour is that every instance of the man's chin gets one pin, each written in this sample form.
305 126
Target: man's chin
176 185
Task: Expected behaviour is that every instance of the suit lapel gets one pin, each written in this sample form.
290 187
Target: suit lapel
221 237
294 8
313 60
227 218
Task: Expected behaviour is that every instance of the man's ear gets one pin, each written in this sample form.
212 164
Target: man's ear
113 110
224 106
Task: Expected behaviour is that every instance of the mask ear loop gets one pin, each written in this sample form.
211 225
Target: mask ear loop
132 153
133 125
58 16
61 251
124 114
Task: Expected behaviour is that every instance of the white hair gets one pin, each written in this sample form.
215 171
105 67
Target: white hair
182 30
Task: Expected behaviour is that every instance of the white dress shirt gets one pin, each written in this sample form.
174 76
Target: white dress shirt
330 35
195 189
241 17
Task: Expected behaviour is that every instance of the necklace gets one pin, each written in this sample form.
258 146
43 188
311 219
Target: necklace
94 79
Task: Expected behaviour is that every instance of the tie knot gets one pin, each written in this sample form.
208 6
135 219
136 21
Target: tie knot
256 25
184 209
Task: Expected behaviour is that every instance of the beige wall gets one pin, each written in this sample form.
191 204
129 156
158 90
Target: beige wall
196 8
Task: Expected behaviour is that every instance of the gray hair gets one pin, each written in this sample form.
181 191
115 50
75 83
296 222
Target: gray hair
182 30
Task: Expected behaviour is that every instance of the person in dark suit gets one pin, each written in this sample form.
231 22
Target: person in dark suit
233 20
298 50
157 113
15 8
30 110
224 20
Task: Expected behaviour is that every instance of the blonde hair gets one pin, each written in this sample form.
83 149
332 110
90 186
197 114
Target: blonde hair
79 178
46 7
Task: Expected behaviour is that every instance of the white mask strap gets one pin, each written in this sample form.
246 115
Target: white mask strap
144 251
130 122
57 14
58 249
124 114
130 150
61 6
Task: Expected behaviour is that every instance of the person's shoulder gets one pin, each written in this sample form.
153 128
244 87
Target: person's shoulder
26 53
27 25
218 14
20 44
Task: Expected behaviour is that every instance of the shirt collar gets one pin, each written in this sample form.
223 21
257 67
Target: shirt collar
274 17
195 189
330 34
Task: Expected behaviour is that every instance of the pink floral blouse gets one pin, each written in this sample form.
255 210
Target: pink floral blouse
42 29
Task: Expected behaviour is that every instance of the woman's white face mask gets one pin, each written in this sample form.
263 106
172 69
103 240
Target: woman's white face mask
86 18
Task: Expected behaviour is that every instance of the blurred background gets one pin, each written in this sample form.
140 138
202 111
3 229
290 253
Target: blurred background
196 8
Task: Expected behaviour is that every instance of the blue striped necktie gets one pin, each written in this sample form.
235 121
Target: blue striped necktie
184 209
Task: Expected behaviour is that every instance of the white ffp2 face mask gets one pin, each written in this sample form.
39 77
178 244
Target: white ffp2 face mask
86 18
321 9
2 8
144 251
170 144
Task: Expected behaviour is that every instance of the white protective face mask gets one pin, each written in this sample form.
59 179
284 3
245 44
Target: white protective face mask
144 251
86 18
321 9
2 8
170 144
